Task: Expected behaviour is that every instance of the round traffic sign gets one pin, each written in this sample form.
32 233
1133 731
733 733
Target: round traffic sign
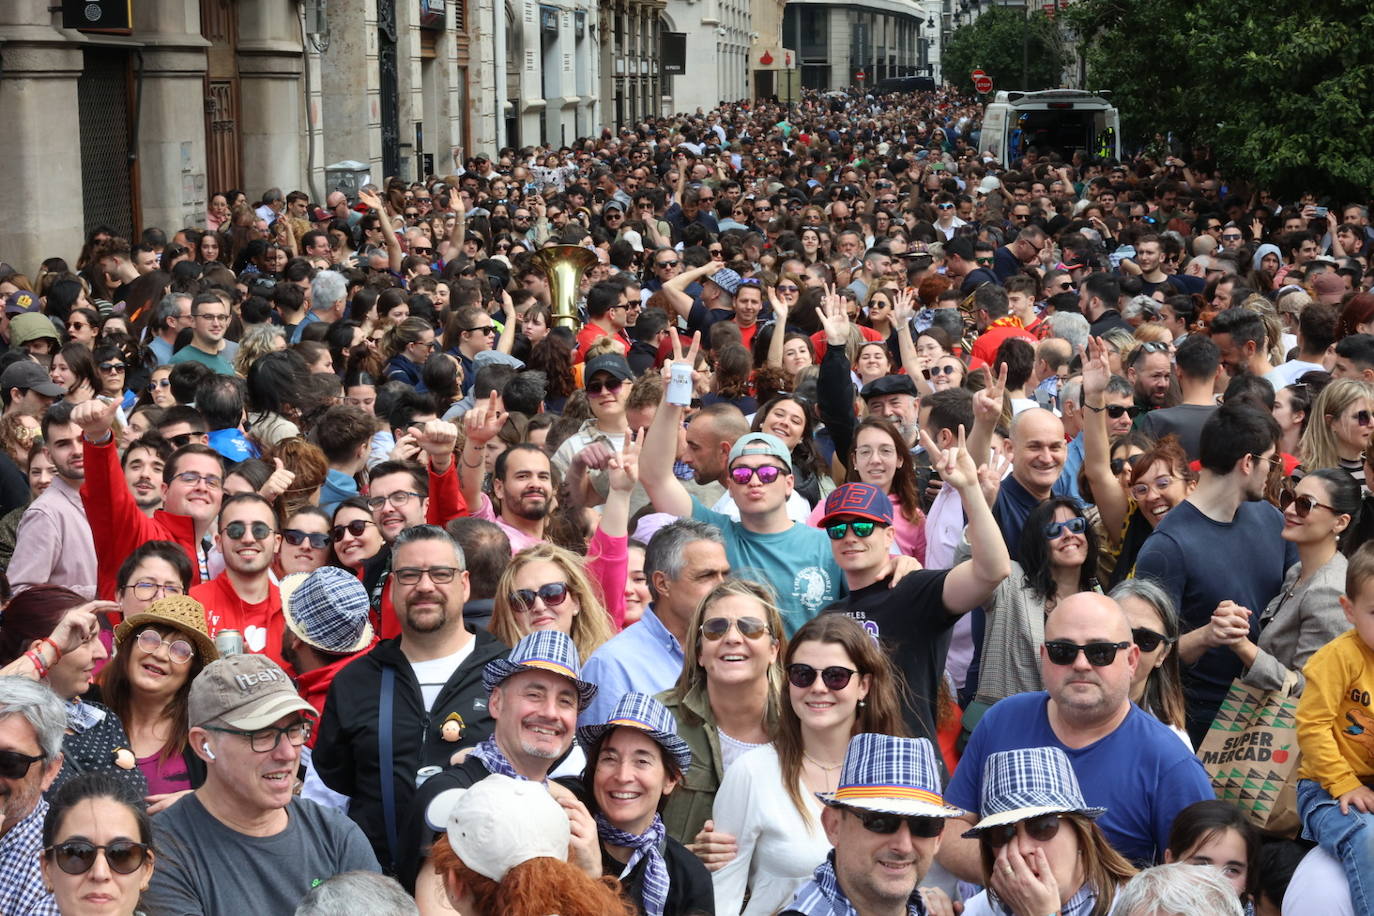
983 84
859 75
977 73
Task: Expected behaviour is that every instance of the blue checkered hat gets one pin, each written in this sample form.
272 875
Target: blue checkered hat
892 776
641 711
543 650
328 609
1026 783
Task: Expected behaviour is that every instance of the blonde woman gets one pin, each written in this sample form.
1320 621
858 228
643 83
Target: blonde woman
1339 427
258 340
727 702
545 588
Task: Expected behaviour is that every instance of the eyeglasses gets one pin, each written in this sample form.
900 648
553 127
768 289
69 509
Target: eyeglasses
834 677
147 591
1159 485
398 499
157 383
1098 654
612 385
76 857
1042 829
837 532
211 481
265 740
715 628
763 208
439 575
1076 525
485 329
765 473
14 765
354 528
215 318
1117 411
1302 505
296 537
788 288
180 650
1148 640
113 368
887 824
552 594
235 531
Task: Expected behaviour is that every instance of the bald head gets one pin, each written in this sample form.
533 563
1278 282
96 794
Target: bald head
1087 698
1099 613
1038 450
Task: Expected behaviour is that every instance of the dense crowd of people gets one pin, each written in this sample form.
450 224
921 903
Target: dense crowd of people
836 520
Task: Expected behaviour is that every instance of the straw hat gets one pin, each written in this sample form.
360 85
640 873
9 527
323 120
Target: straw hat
179 611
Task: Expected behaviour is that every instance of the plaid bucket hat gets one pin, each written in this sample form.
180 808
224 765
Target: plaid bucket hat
641 711
328 609
545 650
891 776
1026 783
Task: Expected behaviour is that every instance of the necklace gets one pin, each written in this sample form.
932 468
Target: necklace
820 766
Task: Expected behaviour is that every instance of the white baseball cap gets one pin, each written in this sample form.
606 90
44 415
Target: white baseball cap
500 823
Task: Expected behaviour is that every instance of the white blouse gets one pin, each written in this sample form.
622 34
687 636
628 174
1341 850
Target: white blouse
778 851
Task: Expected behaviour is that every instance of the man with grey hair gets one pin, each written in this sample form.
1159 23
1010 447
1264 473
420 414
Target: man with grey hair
273 203
1070 326
32 722
328 298
1178 890
684 561
173 313
358 892
372 750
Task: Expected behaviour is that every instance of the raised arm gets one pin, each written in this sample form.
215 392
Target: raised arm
659 449
903 310
506 341
987 410
970 583
479 425
779 338
835 392
676 288
393 245
1107 493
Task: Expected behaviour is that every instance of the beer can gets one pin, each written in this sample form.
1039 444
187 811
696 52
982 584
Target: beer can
229 642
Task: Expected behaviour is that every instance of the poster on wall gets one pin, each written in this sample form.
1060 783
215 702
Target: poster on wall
672 55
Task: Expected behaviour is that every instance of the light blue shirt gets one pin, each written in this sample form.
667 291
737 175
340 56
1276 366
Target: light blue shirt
161 349
643 657
1067 484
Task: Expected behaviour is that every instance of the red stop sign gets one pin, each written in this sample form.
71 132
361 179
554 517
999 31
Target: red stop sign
983 83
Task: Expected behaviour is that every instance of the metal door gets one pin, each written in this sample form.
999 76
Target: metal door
107 192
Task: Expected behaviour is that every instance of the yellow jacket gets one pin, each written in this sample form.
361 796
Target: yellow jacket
1335 720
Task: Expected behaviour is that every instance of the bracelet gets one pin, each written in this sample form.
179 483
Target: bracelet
55 647
478 464
37 660
1095 409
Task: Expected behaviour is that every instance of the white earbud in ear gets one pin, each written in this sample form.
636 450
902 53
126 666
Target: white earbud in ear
205 746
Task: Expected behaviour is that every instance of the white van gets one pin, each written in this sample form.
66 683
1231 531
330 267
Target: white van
1065 121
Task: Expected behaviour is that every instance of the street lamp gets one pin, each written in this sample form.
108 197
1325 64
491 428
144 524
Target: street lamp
930 22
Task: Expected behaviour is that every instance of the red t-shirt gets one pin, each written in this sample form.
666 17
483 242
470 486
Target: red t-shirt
261 624
590 334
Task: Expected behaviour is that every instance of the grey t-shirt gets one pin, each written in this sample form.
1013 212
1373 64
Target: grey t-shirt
206 869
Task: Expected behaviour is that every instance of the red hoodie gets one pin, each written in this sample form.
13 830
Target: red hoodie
313 686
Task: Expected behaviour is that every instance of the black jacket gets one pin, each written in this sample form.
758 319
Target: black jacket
346 752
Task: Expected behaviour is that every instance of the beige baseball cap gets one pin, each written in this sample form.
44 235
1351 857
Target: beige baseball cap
243 691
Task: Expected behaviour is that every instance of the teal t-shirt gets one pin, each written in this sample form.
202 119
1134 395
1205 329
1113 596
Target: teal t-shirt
214 361
797 563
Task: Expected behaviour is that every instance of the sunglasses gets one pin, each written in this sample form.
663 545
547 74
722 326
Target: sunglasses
113 367
1148 640
665 264
946 369
236 530
944 206
612 385
76 857
1099 654
1075 526
765 473
552 594
860 529
887 824
296 537
1042 829
485 329
715 628
1117 411
1302 505
180 650
354 528
155 384
1362 418
834 677
787 288
984 261
14 765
